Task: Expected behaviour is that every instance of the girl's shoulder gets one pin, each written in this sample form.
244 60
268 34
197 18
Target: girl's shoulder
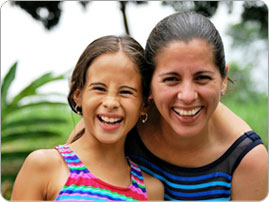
44 159
154 187
36 175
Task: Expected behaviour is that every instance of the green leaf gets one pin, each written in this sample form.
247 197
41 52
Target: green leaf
6 84
16 108
6 156
32 87
33 121
29 134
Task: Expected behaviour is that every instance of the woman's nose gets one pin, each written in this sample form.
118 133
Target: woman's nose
111 102
187 93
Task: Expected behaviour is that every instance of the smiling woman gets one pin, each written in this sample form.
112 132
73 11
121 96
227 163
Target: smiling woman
108 90
196 146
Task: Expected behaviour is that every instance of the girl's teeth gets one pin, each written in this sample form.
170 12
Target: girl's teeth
109 120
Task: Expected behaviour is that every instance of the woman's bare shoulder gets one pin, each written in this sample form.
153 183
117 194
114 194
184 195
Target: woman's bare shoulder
154 188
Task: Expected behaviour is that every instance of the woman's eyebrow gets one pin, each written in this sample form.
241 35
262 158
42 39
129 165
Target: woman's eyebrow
205 71
168 73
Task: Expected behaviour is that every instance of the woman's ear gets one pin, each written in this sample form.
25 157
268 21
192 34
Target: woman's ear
225 79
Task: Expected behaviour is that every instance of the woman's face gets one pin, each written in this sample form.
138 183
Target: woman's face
111 99
186 86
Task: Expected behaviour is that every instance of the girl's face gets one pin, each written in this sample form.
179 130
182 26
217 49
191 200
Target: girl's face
186 86
111 99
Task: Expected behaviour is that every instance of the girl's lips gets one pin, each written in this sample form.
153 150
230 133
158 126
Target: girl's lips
109 122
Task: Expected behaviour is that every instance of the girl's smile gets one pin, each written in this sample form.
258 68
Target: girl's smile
111 103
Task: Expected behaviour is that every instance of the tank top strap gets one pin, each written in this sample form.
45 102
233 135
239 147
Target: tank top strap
71 159
137 177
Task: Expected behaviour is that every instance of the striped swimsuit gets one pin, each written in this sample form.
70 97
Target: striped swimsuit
209 182
82 185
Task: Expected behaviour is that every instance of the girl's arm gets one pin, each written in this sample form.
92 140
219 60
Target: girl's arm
154 188
250 179
31 180
78 128
41 177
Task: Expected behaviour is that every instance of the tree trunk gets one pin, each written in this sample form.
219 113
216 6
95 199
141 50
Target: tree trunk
123 11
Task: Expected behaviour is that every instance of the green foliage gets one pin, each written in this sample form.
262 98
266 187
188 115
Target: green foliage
243 87
248 103
26 117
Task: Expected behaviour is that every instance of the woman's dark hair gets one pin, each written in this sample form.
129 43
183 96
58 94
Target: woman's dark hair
103 45
184 26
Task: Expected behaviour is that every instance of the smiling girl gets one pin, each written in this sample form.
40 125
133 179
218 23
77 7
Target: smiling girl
109 91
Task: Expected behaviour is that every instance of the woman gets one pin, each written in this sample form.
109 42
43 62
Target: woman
197 147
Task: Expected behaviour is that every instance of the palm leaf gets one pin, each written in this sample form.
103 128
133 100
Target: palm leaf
28 134
32 87
6 84
6 156
32 121
15 108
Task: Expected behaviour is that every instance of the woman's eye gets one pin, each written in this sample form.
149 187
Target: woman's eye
170 79
203 78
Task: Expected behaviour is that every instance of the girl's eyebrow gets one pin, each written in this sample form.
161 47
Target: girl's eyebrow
129 87
97 84
102 84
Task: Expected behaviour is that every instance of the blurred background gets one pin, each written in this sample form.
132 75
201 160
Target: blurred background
41 42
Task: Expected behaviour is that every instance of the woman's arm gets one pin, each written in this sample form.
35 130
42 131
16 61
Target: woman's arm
250 179
154 188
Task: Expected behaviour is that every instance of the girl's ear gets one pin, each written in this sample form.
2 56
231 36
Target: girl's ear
78 97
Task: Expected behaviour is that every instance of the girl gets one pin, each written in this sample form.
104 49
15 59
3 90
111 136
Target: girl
109 91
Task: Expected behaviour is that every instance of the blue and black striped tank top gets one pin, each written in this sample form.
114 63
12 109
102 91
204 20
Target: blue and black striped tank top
210 182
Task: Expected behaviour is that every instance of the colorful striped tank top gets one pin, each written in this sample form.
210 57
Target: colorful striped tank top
82 185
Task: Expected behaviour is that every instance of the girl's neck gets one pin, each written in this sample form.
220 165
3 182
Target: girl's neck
90 146
106 161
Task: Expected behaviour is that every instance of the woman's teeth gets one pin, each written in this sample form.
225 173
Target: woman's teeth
187 112
109 120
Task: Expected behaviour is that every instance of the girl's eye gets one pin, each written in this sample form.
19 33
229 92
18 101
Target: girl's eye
99 89
126 92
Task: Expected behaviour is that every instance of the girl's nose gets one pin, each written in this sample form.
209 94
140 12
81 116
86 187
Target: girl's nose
111 102
187 93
